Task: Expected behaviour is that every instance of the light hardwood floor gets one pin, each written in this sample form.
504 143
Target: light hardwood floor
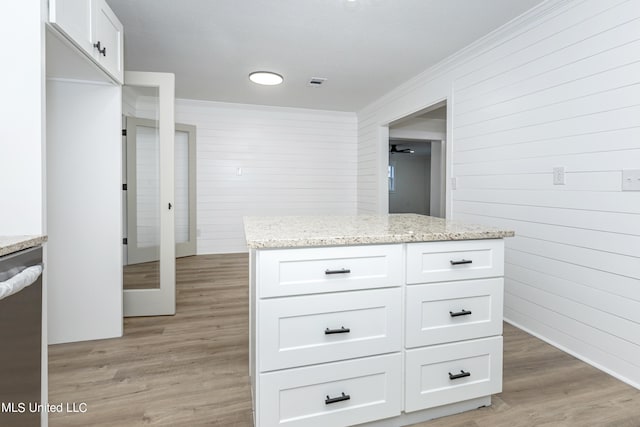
191 369
142 276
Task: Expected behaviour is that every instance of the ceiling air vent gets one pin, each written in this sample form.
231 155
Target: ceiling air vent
316 81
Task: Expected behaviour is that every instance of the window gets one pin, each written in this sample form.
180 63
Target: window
392 178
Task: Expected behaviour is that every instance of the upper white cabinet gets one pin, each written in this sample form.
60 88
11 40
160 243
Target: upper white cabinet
73 18
106 35
92 26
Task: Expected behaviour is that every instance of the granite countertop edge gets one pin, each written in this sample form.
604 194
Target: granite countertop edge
275 238
12 244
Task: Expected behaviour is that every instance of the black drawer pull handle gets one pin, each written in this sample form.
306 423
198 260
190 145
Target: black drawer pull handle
460 313
462 374
342 330
330 400
462 261
341 271
103 51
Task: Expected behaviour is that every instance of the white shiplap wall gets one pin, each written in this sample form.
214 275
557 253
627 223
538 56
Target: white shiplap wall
292 161
559 86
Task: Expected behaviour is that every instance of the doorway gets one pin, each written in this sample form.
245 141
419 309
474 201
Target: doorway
417 168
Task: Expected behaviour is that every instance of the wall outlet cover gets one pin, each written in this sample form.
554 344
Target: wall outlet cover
631 180
558 175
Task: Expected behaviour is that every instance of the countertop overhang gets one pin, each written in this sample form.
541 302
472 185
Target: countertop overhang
311 231
11 244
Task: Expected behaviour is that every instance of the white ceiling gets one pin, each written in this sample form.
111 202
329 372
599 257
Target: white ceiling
364 48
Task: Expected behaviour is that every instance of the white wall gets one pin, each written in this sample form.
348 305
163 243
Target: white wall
418 128
559 86
292 161
438 167
22 112
84 254
21 118
129 102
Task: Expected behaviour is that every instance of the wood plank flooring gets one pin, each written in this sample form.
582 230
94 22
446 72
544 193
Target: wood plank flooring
142 276
191 369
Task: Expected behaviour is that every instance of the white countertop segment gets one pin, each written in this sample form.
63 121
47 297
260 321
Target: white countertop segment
308 231
11 244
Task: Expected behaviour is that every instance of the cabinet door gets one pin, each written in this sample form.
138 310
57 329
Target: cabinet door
106 39
73 17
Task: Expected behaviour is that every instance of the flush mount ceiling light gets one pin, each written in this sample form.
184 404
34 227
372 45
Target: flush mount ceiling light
267 78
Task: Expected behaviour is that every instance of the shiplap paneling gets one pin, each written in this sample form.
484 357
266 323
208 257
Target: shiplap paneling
148 183
292 162
559 86
182 186
129 100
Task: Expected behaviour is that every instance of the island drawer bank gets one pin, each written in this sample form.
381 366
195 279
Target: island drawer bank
383 320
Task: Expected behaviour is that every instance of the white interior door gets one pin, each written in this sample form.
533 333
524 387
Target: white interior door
150 201
142 179
143 192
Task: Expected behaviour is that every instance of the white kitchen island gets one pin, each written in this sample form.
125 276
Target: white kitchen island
383 320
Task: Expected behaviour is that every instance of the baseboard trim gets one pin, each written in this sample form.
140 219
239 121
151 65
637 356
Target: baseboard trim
574 354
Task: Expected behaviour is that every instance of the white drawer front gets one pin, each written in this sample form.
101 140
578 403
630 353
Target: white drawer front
459 260
298 397
312 329
453 311
428 383
316 270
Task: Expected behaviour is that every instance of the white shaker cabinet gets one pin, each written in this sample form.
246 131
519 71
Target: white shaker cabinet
453 336
106 36
73 19
380 335
93 27
372 320
326 335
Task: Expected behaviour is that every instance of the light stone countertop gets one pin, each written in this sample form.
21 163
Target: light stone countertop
11 244
309 231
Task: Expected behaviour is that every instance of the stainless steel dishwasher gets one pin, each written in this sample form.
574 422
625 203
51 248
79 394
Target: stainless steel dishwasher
20 338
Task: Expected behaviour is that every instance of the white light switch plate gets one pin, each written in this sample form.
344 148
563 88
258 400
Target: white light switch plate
631 180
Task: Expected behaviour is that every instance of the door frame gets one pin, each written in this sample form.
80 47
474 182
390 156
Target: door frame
189 247
162 300
383 154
